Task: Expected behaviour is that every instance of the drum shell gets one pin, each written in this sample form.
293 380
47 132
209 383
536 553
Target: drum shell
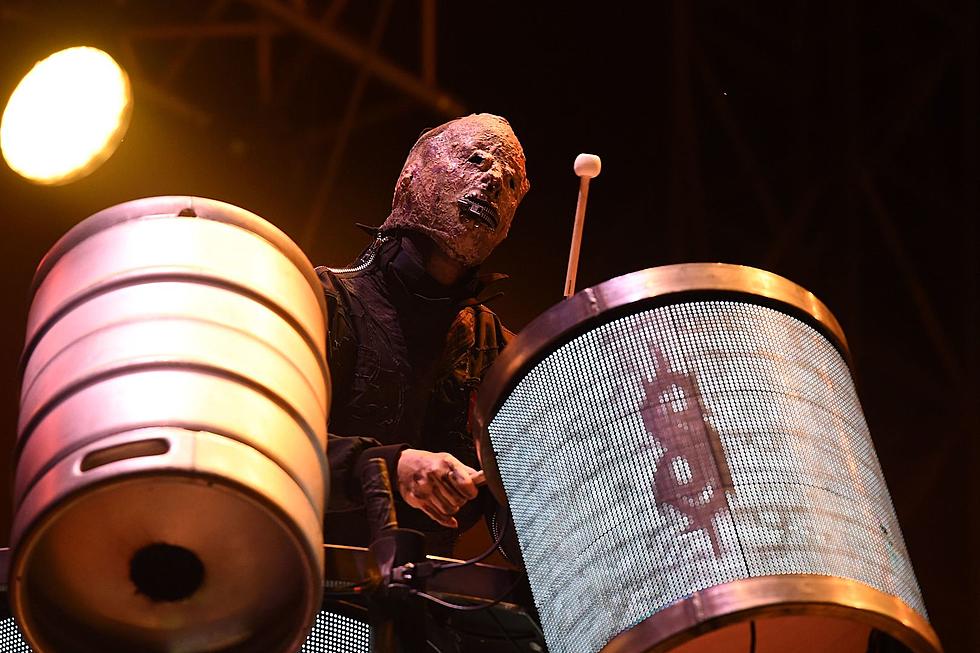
198 318
722 373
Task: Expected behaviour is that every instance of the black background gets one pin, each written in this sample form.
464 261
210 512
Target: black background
833 143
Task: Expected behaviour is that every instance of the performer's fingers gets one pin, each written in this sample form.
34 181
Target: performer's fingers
450 478
445 499
460 481
440 517
421 496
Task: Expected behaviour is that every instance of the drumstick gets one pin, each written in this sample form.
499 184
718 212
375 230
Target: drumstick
479 479
587 166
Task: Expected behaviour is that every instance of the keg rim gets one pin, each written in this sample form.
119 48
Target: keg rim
33 530
179 206
783 595
648 288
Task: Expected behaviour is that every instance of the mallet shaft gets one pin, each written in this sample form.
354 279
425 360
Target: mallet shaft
583 198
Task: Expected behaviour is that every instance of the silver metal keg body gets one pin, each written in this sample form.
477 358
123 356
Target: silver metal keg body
170 463
689 469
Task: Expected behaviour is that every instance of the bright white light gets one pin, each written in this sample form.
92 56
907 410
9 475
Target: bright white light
66 116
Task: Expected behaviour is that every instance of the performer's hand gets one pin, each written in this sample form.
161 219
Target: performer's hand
435 483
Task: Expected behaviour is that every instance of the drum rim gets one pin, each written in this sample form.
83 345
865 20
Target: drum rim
783 595
654 286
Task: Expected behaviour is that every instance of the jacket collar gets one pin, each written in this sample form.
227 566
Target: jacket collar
400 260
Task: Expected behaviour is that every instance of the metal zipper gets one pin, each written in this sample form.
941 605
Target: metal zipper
366 260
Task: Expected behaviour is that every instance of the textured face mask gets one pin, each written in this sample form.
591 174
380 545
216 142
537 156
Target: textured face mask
461 185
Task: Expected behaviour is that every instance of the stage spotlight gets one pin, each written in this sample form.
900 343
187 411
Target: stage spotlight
66 117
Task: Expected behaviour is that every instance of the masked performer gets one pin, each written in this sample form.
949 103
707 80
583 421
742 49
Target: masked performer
410 337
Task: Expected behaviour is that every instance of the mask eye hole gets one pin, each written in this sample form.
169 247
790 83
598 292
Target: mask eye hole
476 158
512 183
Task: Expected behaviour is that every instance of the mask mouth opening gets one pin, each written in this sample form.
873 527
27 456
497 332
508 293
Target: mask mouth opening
476 208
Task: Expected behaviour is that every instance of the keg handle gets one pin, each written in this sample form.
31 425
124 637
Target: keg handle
98 457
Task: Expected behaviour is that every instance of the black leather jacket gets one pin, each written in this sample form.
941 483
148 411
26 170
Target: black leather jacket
406 355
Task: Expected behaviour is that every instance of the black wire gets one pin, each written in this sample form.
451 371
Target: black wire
353 606
537 628
487 637
752 636
357 589
534 624
468 608
504 631
472 561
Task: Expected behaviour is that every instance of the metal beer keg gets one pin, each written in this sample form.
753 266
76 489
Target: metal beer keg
170 462
689 469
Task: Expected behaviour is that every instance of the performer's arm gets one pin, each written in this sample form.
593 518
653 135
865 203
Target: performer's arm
438 484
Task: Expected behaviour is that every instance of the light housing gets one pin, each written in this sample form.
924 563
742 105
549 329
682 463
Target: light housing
66 116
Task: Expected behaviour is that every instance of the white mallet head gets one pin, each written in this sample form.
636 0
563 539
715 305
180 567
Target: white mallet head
587 165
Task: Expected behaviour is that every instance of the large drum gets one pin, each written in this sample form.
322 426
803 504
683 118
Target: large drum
688 468
170 462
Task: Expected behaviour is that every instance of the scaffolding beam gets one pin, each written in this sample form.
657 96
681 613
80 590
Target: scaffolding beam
353 51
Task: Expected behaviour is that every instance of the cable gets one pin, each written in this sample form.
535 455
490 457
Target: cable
468 608
504 631
353 606
487 637
534 624
356 589
482 556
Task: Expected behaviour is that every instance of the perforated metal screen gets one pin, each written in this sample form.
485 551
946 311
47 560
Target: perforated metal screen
683 447
332 633
335 633
11 640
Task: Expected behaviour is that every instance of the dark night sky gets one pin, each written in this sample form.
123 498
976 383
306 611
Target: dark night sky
832 143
